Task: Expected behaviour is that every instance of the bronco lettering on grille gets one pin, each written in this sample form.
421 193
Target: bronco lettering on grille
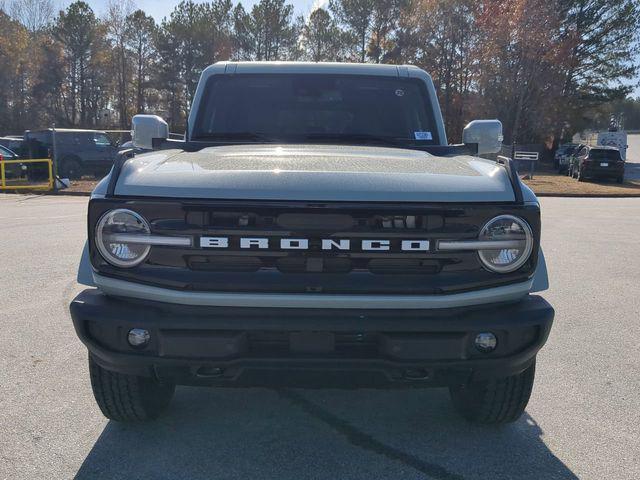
264 243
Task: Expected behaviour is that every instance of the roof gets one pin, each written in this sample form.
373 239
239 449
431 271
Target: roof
314 67
65 130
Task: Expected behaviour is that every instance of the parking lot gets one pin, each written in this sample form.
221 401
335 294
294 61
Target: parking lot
583 420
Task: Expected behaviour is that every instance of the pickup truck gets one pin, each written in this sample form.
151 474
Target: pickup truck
313 229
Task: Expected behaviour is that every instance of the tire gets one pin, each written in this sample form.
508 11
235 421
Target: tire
620 179
494 401
70 168
128 398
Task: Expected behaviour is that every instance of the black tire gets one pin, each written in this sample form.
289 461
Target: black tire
128 398
494 401
70 168
620 179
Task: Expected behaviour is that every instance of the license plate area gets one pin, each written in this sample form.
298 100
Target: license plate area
604 164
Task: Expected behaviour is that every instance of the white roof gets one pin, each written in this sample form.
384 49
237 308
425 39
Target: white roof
314 67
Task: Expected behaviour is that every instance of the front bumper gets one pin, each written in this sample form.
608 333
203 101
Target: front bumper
240 346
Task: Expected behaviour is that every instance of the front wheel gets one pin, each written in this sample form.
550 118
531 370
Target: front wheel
495 401
70 168
128 398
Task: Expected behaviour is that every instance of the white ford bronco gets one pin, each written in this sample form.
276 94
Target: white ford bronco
314 228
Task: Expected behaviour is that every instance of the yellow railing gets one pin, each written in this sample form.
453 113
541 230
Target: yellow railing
3 179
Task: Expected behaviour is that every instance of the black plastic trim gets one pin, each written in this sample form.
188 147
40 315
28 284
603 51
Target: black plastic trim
114 317
509 166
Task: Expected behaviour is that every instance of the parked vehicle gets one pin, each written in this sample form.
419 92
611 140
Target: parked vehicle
563 156
597 162
313 229
78 152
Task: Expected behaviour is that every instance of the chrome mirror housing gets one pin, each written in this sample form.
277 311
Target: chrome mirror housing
487 134
147 127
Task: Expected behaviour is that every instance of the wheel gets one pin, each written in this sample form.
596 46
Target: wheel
70 168
494 401
128 398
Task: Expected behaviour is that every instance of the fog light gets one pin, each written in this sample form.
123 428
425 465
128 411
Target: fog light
486 342
138 337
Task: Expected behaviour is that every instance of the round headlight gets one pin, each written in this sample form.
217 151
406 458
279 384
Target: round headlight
111 238
514 241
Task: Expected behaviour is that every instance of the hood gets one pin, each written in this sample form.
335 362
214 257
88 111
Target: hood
314 173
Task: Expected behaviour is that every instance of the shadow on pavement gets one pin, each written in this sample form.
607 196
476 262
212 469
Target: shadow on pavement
319 434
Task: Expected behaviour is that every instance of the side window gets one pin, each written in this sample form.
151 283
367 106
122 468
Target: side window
101 139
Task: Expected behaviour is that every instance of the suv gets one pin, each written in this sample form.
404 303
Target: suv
313 229
597 162
77 151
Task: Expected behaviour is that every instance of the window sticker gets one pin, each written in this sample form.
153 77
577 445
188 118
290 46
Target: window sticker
423 135
399 93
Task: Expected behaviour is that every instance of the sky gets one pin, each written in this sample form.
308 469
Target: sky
160 9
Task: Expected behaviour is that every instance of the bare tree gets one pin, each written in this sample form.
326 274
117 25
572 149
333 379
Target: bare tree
35 15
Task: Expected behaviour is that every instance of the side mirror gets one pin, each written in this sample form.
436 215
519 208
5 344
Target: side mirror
487 134
146 128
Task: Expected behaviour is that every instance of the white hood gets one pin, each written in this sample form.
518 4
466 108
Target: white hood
314 173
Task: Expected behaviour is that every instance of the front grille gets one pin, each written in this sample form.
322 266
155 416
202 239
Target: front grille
315 269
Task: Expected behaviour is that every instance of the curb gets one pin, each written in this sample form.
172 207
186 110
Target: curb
588 195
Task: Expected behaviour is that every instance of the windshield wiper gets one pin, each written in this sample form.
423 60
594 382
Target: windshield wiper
359 138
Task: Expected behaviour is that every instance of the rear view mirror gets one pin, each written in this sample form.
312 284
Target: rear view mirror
146 128
487 134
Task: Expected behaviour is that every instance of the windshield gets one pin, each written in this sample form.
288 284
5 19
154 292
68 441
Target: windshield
316 108
612 155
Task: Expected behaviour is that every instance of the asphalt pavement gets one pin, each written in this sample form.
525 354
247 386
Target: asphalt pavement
583 420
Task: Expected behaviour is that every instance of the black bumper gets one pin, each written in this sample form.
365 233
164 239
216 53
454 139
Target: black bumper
310 347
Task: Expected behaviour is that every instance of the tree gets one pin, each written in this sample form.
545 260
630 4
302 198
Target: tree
117 13
384 21
321 38
441 37
267 33
140 33
79 33
356 17
215 31
14 72
603 34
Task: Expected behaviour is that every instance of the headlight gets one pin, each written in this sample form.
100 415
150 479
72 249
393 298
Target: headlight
515 243
111 238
